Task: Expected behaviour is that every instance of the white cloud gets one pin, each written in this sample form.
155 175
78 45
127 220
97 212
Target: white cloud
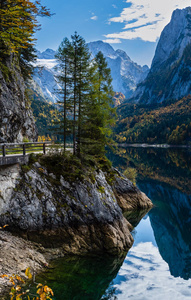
114 6
94 18
145 20
146 276
112 41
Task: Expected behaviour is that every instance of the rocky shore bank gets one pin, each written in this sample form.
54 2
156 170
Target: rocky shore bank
49 217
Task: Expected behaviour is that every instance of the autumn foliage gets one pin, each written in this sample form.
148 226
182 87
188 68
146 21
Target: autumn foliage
168 122
18 23
19 292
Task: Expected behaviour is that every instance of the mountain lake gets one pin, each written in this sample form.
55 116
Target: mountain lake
158 266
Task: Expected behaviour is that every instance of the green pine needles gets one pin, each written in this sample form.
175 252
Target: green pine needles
86 92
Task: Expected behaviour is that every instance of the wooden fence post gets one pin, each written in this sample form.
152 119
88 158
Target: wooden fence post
3 150
24 149
44 148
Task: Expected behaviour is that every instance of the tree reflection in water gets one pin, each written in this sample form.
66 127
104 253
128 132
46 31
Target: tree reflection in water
78 278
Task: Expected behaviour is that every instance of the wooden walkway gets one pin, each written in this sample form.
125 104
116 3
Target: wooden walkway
12 153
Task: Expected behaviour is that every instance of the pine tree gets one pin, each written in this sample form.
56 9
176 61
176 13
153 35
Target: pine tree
82 82
87 96
64 78
100 114
74 66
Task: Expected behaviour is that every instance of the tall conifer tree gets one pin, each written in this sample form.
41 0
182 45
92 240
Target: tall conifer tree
100 114
75 64
64 57
86 85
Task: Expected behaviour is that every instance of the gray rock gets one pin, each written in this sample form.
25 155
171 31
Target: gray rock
81 217
16 118
16 256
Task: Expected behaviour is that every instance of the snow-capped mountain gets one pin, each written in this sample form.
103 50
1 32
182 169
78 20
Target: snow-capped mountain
44 82
47 54
170 73
125 73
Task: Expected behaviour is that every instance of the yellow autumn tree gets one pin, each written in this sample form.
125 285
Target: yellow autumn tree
18 23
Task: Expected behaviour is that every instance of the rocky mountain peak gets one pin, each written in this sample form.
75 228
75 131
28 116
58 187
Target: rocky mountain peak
47 54
105 48
126 74
174 38
123 54
170 73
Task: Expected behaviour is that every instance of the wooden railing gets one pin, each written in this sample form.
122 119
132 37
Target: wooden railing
14 149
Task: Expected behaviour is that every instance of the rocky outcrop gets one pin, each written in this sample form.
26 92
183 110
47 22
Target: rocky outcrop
16 119
129 197
79 216
170 73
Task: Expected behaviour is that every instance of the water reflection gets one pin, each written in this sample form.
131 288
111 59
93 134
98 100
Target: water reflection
165 176
171 223
145 275
171 166
134 217
75 278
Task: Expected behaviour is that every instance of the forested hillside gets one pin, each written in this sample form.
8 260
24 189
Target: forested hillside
169 122
46 115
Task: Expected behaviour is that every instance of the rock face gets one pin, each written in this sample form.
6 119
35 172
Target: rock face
129 197
80 217
170 73
16 119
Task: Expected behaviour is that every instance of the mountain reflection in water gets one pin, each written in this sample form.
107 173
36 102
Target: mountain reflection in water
171 223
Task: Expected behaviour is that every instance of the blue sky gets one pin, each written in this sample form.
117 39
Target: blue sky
133 26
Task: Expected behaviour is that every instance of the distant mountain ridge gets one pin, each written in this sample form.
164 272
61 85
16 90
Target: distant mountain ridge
170 73
47 54
126 74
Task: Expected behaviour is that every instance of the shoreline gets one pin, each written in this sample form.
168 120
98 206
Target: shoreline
152 146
